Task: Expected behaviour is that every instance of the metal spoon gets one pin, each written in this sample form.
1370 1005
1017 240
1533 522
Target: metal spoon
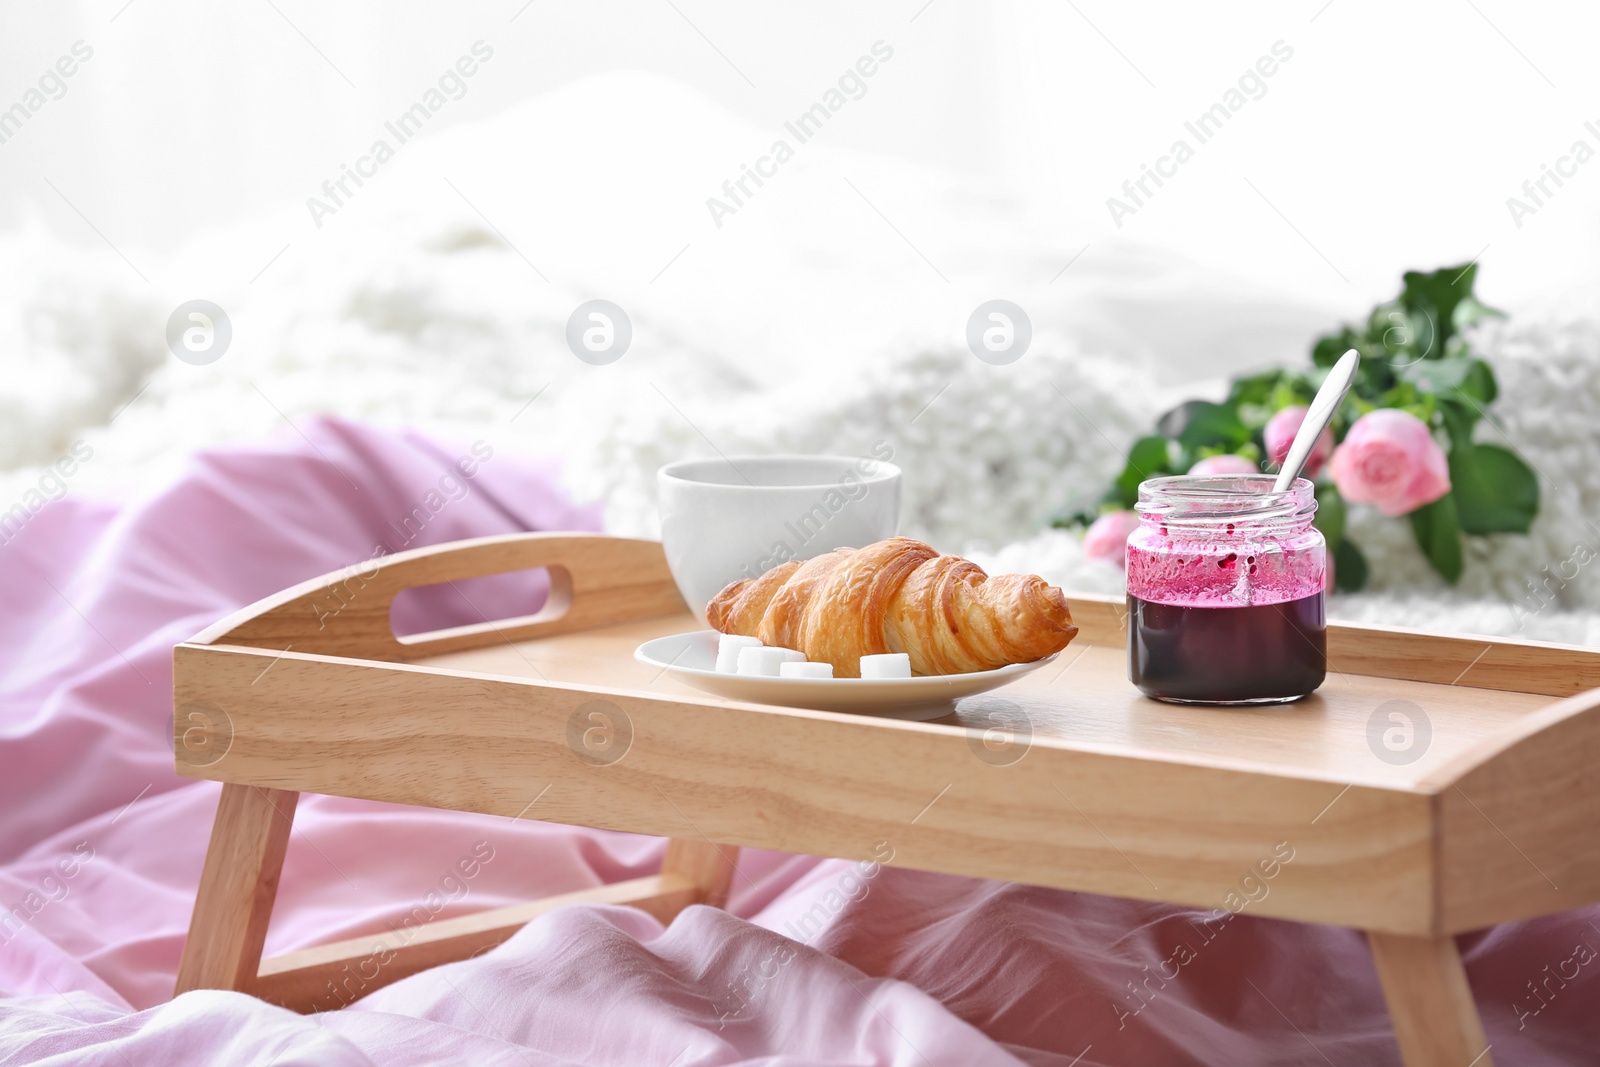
1321 412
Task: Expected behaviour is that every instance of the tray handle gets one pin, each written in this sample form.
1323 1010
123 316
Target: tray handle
595 580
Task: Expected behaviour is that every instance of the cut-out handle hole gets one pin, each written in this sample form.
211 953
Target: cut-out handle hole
427 612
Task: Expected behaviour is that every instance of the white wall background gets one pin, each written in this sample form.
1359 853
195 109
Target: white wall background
191 114
1391 140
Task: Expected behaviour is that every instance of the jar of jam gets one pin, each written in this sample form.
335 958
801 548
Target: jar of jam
1225 591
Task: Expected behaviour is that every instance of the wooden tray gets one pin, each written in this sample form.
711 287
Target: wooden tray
1067 778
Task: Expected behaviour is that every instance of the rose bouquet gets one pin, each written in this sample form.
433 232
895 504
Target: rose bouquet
1403 441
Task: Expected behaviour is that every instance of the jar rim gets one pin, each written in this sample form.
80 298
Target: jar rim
1201 499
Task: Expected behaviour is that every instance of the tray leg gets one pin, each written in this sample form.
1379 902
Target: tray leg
708 866
1430 1004
237 886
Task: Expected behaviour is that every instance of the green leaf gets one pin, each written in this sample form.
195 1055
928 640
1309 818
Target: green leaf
1146 459
1327 350
1494 490
1202 424
1376 370
1471 310
1349 567
1438 534
1407 334
1255 388
1256 416
1480 384
1463 378
1407 395
1438 375
1438 293
1459 419
1330 515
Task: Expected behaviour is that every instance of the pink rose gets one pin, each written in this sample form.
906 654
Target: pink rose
1389 459
1107 539
1280 432
1225 464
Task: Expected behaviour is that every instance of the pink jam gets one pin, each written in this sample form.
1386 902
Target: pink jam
1229 567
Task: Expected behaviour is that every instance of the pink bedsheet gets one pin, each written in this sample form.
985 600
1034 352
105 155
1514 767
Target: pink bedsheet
814 962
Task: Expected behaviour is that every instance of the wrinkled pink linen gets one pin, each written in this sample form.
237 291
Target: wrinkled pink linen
907 968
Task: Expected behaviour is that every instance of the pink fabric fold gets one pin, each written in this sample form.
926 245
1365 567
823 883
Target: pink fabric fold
836 961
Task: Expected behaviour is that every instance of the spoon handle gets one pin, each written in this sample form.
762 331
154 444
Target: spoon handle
1321 412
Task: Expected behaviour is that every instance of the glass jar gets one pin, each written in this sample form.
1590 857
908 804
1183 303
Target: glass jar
1225 591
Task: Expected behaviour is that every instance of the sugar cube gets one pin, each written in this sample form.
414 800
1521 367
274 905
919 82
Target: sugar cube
728 647
888 665
763 660
802 669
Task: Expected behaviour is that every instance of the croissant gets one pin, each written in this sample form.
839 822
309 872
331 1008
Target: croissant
897 595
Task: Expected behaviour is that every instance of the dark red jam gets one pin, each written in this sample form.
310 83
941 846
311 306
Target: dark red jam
1262 653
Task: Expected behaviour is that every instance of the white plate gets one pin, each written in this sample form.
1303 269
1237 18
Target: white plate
692 657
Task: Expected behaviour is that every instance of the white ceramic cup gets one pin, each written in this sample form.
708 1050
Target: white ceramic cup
737 517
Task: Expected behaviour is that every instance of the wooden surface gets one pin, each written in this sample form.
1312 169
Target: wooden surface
237 887
331 976
1435 1019
1144 811
708 867
1517 817
594 580
1084 700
